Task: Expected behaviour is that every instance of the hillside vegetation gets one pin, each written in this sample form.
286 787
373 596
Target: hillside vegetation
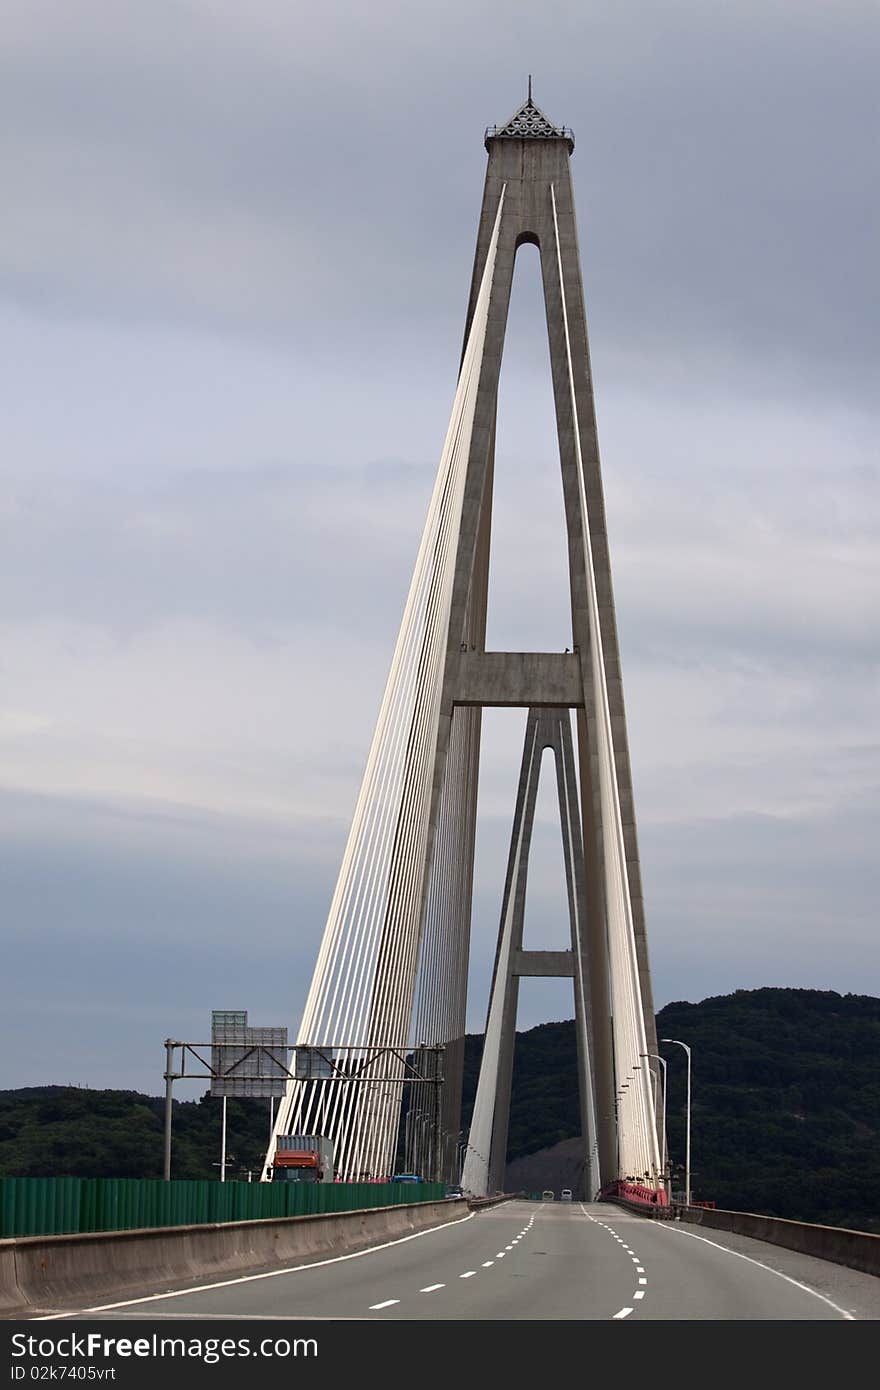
785 1109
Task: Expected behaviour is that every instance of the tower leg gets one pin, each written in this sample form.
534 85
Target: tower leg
545 728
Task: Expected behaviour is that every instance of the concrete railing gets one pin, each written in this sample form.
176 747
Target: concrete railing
856 1249
42 1273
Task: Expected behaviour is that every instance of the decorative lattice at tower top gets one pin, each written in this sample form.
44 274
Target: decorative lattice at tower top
530 123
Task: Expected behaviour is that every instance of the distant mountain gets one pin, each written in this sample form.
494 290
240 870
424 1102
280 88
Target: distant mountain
785 1106
785 1112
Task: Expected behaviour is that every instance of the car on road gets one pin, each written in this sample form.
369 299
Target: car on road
548 1196
454 1191
565 1195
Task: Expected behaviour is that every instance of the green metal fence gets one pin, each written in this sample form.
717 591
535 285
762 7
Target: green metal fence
70 1206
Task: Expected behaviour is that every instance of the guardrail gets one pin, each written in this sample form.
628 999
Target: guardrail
77 1206
855 1249
653 1200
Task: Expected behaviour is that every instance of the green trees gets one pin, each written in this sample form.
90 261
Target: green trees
68 1131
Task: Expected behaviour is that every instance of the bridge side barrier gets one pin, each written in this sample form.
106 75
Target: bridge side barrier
636 1193
654 1211
39 1273
856 1249
77 1206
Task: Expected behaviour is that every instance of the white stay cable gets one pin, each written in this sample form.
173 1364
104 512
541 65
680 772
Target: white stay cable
362 987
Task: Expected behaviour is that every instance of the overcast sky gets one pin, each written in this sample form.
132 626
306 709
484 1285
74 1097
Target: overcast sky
235 256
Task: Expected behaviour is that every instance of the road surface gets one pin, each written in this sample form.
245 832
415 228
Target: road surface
526 1260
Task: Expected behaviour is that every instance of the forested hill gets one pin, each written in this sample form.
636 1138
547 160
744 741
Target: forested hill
785 1109
785 1106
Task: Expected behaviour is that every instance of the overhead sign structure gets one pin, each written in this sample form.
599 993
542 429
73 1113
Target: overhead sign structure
246 1062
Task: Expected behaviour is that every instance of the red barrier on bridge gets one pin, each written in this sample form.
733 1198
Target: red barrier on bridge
636 1192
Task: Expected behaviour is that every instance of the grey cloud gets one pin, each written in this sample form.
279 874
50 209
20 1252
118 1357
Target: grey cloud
323 167
236 257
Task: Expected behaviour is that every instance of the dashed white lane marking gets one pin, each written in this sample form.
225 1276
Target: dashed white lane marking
387 1304
508 1247
798 1285
431 1288
500 1255
470 1274
640 1293
487 1263
252 1278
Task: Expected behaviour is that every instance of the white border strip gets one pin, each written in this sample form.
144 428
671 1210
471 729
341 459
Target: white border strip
249 1278
850 1317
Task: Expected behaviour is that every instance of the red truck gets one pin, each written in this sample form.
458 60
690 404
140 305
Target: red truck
302 1158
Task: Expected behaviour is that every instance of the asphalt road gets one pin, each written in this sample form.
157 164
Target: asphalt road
527 1261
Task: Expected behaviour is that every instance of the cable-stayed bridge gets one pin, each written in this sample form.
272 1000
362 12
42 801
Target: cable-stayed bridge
386 1007
392 971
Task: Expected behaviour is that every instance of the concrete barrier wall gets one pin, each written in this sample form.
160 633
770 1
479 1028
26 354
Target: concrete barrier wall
10 1296
45 1272
856 1249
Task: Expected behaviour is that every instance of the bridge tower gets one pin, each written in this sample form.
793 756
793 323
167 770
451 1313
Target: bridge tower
394 961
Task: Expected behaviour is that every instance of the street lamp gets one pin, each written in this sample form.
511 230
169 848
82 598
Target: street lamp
419 1140
663 1156
687 1146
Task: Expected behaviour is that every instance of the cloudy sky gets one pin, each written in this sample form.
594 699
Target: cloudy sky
235 255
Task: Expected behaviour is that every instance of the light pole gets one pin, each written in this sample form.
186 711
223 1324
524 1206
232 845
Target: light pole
687 1142
223 1143
419 1141
459 1159
662 1060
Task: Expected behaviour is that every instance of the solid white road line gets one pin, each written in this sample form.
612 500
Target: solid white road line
797 1283
250 1278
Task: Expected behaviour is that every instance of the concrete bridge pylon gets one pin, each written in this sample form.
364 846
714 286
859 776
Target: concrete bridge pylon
393 968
